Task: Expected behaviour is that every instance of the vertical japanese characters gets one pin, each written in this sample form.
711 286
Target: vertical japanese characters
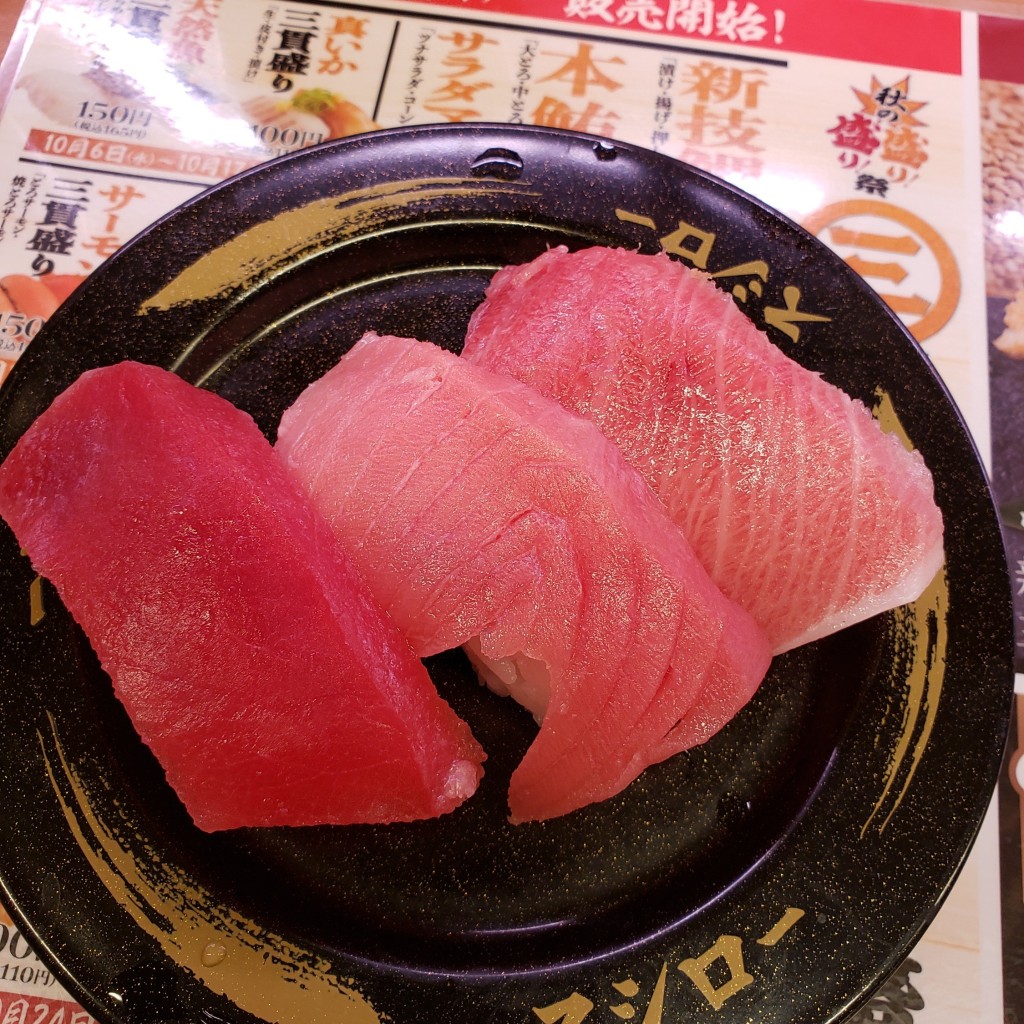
882 143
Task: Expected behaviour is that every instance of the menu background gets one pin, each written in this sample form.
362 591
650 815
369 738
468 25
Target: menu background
1002 133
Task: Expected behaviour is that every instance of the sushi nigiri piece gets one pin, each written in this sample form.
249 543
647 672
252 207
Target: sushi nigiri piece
244 646
483 514
799 506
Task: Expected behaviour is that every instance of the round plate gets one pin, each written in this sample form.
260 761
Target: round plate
777 873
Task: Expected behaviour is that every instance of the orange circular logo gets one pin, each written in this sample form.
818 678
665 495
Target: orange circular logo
901 256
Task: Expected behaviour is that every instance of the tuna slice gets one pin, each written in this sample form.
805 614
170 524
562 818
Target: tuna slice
244 647
481 513
799 506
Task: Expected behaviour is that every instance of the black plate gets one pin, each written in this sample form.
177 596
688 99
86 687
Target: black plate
778 873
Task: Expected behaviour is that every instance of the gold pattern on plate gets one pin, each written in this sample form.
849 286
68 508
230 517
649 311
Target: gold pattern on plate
281 240
36 608
918 635
260 972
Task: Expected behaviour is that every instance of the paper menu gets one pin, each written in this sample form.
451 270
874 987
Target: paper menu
1002 138
123 110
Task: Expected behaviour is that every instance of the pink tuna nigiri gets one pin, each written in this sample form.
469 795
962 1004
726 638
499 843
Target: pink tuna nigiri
481 513
242 643
800 507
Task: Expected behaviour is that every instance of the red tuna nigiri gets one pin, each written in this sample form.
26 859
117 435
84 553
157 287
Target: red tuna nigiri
800 507
481 513
244 646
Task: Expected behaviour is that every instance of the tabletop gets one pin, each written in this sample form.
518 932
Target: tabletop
904 133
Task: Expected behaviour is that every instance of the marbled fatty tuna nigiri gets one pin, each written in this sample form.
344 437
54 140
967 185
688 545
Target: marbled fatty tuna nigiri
245 648
482 513
800 507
